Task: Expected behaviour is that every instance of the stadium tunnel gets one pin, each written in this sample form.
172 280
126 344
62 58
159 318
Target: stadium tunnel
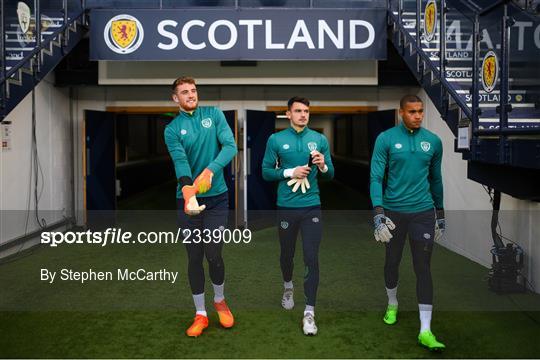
139 171
144 177
97 124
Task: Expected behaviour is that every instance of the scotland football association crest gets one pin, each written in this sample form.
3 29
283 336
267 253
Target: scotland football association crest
312 146
430 20
284 225
206 123
26 32
425 146
490 71
123 34
23 13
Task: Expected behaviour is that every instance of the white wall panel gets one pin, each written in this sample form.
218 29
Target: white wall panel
54 150
469 209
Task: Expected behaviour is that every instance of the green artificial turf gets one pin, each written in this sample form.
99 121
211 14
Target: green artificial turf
262 334
148 319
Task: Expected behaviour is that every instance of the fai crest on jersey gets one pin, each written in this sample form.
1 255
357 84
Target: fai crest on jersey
398 146
312 146
490 71
284 225
286 146
430 20
23 13
425 146
123 34
206 122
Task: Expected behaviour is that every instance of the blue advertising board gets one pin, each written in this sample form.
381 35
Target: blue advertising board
238 34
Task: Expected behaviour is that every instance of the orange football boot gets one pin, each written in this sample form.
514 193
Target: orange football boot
226 318
199 324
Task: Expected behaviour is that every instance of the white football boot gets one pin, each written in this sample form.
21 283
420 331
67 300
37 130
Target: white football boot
309 326
287 301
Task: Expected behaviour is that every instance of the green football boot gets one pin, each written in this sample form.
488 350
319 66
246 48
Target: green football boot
428 340
390 317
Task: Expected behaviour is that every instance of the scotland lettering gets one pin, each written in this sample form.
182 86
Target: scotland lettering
496 98
459 74
324 35
450 54
231 34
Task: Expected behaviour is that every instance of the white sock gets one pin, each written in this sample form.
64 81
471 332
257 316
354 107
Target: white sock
288 284
198 300
309 309
392 296
425 316
218 292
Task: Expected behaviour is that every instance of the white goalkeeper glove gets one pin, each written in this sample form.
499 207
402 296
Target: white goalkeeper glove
303 184
440 224
383 225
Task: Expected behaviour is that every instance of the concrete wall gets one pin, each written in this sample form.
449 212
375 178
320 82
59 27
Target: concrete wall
469 209
53 133
276 72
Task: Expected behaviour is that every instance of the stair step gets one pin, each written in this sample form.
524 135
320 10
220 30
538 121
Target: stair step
515 121
517 97
20 49
450 40
44 16
493 104
13 57
13 63
518 115
17 34
469 80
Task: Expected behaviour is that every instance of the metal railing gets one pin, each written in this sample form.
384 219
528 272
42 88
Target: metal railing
70 10
3 88
475 14
424 58
532 6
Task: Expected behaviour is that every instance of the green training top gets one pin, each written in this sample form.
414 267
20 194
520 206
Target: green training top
200 140
413 159
289 149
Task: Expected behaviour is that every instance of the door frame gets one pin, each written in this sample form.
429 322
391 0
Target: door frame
318 110
147 110
85 162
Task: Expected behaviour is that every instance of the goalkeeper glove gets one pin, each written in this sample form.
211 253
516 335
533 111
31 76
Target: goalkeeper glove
440 224
203 182
191 205
383 225
303 184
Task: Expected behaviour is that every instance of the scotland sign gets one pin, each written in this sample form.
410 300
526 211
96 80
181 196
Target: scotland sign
245 34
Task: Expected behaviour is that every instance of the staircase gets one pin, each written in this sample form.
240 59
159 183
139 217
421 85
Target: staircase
30 49
485 82
478 60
